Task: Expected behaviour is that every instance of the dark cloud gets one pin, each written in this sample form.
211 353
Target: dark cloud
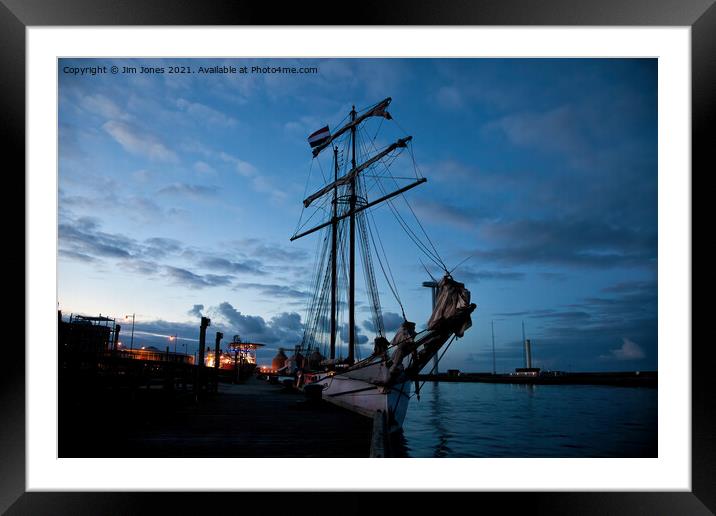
219 264
269 252
193 280
158 247
196 311
616 331
276 291
572 243
285 328
465 274
359 337
476 276
391 322
74 255
84 238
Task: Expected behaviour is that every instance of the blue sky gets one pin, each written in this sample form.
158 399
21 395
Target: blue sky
178 195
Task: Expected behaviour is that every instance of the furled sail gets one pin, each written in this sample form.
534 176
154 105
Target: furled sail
452 299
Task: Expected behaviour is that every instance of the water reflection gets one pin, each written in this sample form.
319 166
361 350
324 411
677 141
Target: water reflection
502 420
442 435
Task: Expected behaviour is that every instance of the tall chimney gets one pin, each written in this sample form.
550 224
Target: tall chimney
528 354
219 336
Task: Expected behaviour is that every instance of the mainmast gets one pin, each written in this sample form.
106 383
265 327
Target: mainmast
334 254
352 264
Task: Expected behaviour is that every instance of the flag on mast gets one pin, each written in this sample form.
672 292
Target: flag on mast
319 137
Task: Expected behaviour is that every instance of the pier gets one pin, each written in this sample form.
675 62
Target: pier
251 419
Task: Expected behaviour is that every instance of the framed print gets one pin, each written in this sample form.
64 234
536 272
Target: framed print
456 239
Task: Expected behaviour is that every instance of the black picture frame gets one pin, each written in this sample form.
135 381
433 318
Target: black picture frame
700 15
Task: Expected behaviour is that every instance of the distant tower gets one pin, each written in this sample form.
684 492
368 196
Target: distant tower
524 354
434 288
494 368
528 354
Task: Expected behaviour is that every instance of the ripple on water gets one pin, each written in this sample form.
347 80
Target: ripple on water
499 420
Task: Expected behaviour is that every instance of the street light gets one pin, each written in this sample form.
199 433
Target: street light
131 342
173 338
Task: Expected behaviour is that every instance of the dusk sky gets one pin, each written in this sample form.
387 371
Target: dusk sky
178 195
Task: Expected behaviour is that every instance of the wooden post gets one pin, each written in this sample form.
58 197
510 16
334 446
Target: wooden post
379 438
199 371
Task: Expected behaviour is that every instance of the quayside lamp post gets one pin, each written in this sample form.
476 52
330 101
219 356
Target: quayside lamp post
131 340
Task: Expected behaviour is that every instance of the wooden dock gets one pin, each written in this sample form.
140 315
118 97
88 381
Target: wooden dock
253 419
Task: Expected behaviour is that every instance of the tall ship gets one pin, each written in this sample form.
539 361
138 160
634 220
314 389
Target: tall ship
361 179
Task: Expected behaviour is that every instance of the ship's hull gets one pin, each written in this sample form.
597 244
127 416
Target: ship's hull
365 397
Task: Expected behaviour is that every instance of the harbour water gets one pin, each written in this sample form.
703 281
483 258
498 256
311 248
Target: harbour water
507 420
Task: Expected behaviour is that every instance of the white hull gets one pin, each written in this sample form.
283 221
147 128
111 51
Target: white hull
365 398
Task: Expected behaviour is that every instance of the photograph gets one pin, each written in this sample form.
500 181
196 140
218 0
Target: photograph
357 257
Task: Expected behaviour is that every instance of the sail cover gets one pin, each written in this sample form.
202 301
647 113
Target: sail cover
452 299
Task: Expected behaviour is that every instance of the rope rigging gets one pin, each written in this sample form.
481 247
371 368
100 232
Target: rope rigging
318 315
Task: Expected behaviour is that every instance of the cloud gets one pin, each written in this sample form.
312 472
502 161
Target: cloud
469 275
99 104
205 114
450 97
190 279
259 182
139 143
269 251
444 213
196 311
74 255
204 168
83 239
391 322
577 333
274 291
187 190
359 337
628 351
585 243
557 129
232 267
158 247
285 328
144 267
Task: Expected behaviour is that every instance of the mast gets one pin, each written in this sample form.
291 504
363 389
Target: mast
352 265
334 254
349 180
